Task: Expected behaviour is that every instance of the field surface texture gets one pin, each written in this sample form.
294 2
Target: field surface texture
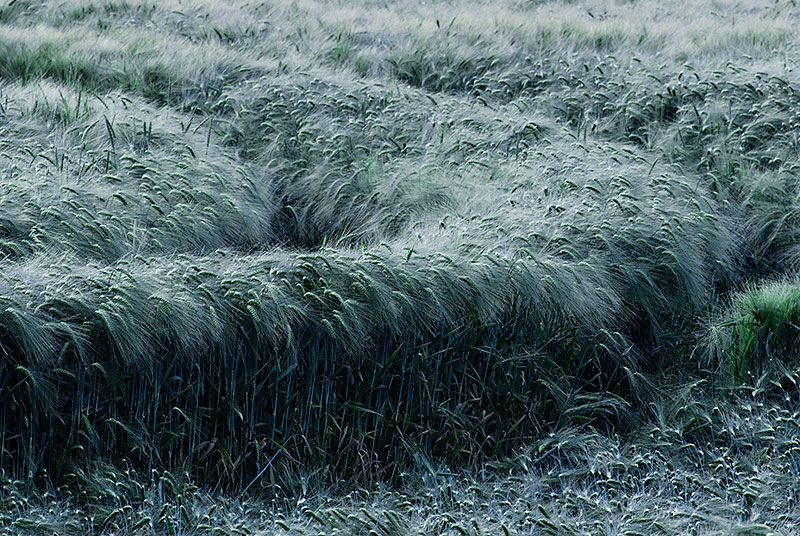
399 267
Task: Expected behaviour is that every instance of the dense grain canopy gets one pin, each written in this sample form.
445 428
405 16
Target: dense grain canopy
229 229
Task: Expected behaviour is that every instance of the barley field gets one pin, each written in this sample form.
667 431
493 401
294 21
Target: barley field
384 267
